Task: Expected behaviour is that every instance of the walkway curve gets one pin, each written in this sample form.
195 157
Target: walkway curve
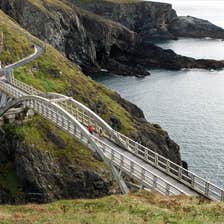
110 154
129 157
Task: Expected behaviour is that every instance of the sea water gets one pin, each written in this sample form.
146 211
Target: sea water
189 104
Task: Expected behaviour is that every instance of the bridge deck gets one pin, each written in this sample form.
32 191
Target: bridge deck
157 172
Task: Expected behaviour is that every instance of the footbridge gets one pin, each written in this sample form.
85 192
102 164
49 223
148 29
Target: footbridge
125 157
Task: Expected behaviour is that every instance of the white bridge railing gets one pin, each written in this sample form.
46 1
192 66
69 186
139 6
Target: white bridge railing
85 116
62 119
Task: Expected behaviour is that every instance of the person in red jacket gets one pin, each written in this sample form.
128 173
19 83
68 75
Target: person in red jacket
90 129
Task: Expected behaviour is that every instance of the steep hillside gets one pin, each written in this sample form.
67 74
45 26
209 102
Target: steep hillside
95 42
40 162
150 19
14 46
136 208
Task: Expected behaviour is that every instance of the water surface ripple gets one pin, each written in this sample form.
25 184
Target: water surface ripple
189 104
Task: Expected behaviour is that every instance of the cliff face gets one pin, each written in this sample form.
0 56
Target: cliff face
149 19
94 42
153 20
187 26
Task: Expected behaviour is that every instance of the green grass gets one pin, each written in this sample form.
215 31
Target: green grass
52 72
135 208
15 44
62 4
105 1
40 134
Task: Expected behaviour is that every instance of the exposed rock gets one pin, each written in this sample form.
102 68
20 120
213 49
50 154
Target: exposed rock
132 108
185 165
115 122
149 19
153 20
43 176
187 26
39 173
150 135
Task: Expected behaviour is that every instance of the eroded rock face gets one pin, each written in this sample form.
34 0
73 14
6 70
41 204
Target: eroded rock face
149 135
42 176
187 26
153 20
149 19
40 173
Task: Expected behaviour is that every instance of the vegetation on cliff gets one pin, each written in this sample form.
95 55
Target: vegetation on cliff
135 208
118 42
14 46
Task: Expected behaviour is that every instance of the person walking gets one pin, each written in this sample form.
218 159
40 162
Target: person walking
90 129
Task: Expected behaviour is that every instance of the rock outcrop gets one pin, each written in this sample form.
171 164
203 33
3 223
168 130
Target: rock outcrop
153 20
187 26
97 43
149 19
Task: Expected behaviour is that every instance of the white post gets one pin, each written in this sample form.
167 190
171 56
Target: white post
3 100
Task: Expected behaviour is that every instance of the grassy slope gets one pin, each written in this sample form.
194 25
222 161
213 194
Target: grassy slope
53 72
136 208
36 133
15 45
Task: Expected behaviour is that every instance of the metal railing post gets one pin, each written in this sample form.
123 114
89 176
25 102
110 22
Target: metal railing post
206 188
167 189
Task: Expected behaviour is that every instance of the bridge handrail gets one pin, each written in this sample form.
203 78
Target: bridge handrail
25 87
188 178
133 163
51 110
93 117
167 166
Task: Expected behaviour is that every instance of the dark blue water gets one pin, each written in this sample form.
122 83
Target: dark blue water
189 104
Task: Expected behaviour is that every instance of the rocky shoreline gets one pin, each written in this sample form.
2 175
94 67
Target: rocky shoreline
114 36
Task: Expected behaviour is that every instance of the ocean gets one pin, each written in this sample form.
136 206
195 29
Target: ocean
189 104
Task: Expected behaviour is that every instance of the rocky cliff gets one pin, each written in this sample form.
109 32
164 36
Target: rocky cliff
149 19
95 42
152 20
188 26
